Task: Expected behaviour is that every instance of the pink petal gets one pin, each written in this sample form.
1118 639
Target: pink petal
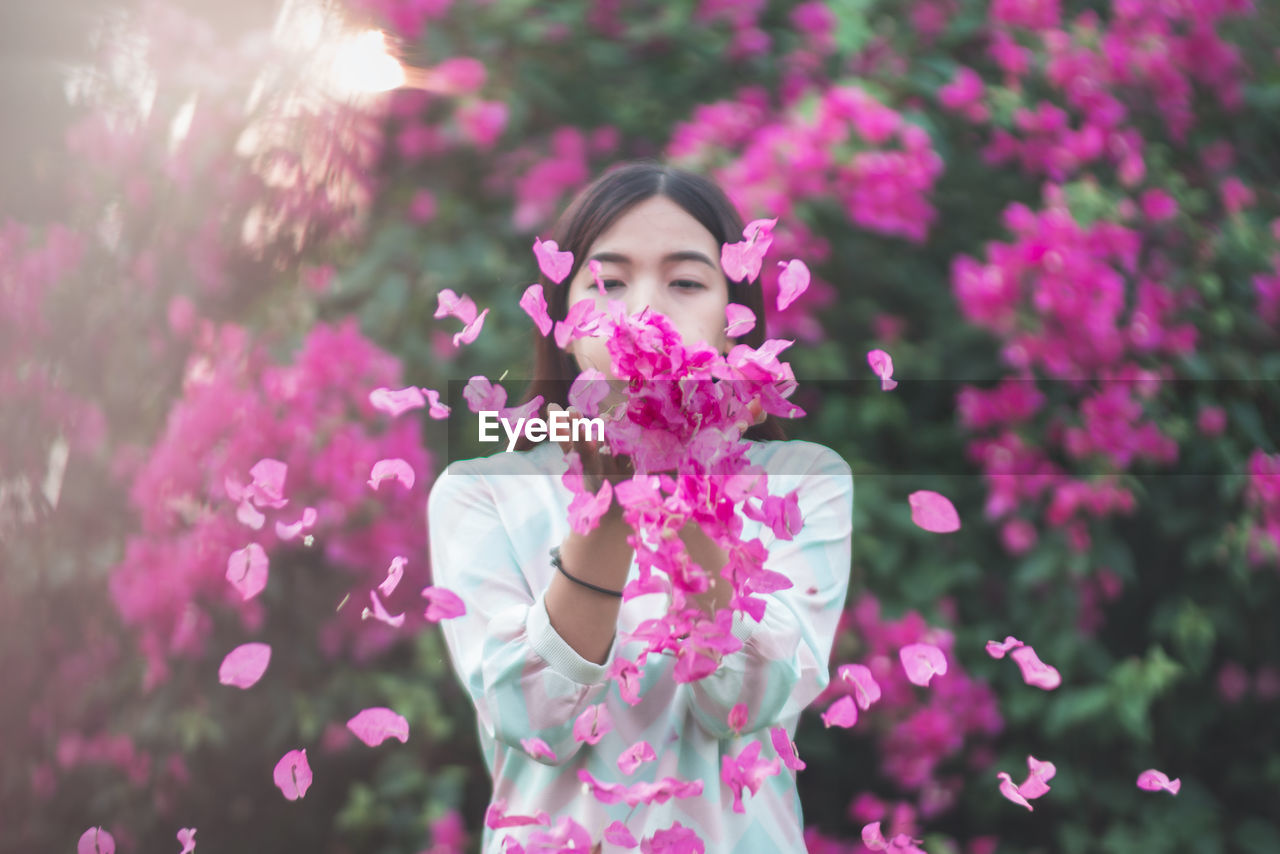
738 717
553 263
538 749
442 604
435 408
247 570
933 512
873 838
1038 776
535 305
998 649
187 836
635 756
244 665
250 516
1034 671
95 840
393 468
396 402
589 389
595 267
922 661
375 725
292 774
617 834
449 304
268 482
380 613
1010 791
792 282
882 364
483 396
842 713
472 329
496 816
740 319
394 573
1153 781
866 690
288 532
786 749
593 724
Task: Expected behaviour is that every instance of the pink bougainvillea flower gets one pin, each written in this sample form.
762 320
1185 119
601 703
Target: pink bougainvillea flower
1038 776
250 516
267 489
593 724
449 304
866 690
471 330
738 718
635 756
900 844
1152 780
617 834
1034 671
510 845
1010 790
396 402
553 263
676 839
245 664
588 391
748 771
780 512
534 304
740 320
792 282
306 523
395 572
396 469
922 661
442 604
882 364
538 749
496 816
187 837
437 410
95 840
484 396
842 713
582 320
292 774
933 512
247 570
741 261
375 725
595 267
786 748
997 649
379 613
627 674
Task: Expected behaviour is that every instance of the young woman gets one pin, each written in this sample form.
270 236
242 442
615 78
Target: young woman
535 646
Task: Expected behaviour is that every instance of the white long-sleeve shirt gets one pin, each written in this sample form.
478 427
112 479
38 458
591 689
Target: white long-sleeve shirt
492 522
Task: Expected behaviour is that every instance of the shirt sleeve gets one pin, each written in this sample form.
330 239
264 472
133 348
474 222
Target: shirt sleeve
783 664
525 680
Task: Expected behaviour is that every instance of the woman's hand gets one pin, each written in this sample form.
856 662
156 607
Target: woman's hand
597 466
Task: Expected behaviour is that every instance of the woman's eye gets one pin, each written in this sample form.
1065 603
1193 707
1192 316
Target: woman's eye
609 283
688 284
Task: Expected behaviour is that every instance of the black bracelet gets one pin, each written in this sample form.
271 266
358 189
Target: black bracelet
559 564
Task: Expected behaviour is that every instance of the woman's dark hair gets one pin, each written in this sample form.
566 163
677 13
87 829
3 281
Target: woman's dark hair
589 215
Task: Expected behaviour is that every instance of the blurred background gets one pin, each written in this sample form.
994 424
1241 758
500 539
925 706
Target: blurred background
223 224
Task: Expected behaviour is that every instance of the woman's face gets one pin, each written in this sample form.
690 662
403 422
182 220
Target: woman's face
655 255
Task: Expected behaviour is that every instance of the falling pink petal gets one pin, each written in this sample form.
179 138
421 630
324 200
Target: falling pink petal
866 690
738 717
435 408
593 724
472 329
375 725
449 304
1010 791
635 756
538 749
247 570
483 396
442 604
306 523
933 512
882 364
379 612
1038 776
250 516
873 838
292 774
388 469
187 837
922 661
553 263
244 665
792 282
786 749
268 482
496 817
617 834
740 320
95 840
534 304
396 402
843 713
998 649
394 573
595 267
1034 671
1153 781
589 389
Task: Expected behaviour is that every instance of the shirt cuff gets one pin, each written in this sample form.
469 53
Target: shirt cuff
555 650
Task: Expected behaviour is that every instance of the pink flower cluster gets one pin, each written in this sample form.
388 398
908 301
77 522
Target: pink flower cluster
314 416
1262 493
541 180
